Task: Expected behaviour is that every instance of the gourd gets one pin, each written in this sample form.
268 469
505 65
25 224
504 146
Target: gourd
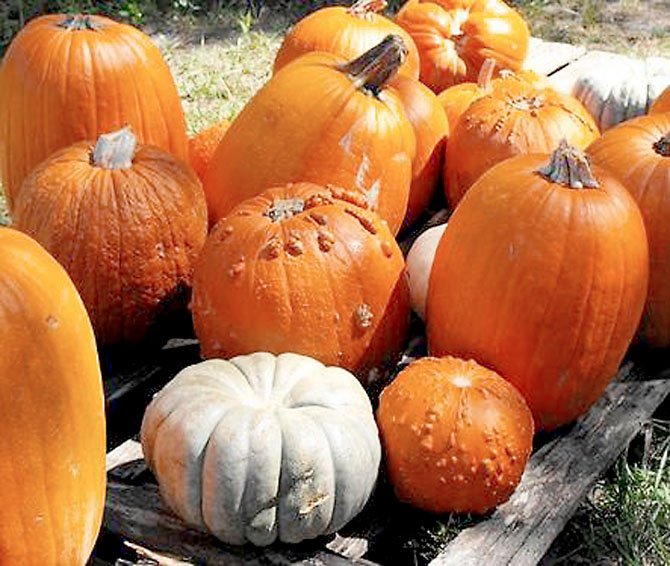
201 146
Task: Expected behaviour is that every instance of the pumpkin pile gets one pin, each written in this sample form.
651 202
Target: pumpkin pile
277 234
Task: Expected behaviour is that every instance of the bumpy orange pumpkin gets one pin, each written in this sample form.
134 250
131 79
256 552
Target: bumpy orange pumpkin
321 120
202 146
51 414
126 223
347 32
541 275
637 152
70 78
456 435
455 37
303 269
662 103
515 118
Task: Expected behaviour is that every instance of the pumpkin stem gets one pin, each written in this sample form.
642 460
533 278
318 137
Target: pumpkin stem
662 146
282 209
377 66
569 167
486 74
79 22
365 8
115 150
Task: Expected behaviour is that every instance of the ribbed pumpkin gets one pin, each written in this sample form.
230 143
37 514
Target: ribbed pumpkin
321 120
515 118
541 275
66 79
305 269
202 147
637 152
455 37
456 436
52 414
662 103
126 223
347 32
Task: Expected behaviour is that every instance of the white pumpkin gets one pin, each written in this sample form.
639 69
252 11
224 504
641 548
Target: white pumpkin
263 447
419 263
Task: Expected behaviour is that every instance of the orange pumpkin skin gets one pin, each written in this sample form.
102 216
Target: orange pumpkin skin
542 283
312 122
456 436
127 237
636 153
347 32
662 103
515 118
201 146
327 282
455 37
52 418
59 86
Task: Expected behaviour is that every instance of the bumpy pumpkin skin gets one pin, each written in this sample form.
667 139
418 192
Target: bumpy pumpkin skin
260 448
202 146
327 282
542 283
128 238
662 103
456 436
636 154
52 417
60 85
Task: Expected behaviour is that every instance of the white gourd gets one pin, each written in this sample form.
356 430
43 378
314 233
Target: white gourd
263 447
419 264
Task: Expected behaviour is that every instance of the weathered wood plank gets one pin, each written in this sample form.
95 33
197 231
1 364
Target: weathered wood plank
547 57
557 478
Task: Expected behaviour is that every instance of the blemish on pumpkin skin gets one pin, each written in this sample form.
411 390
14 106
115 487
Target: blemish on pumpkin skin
293 245
236 269
272 249
52 321
325 239
363 220
387 249
363 316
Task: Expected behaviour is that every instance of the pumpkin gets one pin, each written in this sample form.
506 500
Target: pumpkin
321 120
455 37
637 152
515 118
126 222
662 103
66 79
201 146
419 263
347 32
52 417
541 275
306 269
456 436
263 447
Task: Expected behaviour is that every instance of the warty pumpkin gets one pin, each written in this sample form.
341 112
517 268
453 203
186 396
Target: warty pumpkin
52 417
201 146
637 152
306 269
456 436
66 79
323 120
541 275
127 222
262 448
662 103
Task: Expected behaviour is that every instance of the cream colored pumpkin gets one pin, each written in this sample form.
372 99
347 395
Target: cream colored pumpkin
419 263
263 447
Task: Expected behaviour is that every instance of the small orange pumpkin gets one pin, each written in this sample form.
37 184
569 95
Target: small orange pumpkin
662 103
203 145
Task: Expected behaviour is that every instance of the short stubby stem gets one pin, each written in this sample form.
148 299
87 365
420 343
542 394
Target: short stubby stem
569 167
282 209
662 146
365 8
486 74
115 150
79 22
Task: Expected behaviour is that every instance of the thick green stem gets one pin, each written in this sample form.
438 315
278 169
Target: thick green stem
79 22
569 167
662 146
364 8
115 150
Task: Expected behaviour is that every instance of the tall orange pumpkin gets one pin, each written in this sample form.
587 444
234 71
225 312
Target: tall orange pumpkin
127 224
662 103
323 120
637 152
70 78
541 275
51 412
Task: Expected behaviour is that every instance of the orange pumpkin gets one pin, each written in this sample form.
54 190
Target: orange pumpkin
541 275
303 269
637 152
347 32
203 145
51 414
70 78
321 120
126 223
456 436
455 37
662 103
515 118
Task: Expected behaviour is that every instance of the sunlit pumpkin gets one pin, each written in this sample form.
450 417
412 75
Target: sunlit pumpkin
202 146
662 103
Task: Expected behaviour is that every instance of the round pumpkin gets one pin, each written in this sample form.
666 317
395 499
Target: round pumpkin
541 275
201 146
637 152
456 436
53 414
347 32
305 269
127 224
455 37
321 120
419 264
66 79
263 447
662 103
